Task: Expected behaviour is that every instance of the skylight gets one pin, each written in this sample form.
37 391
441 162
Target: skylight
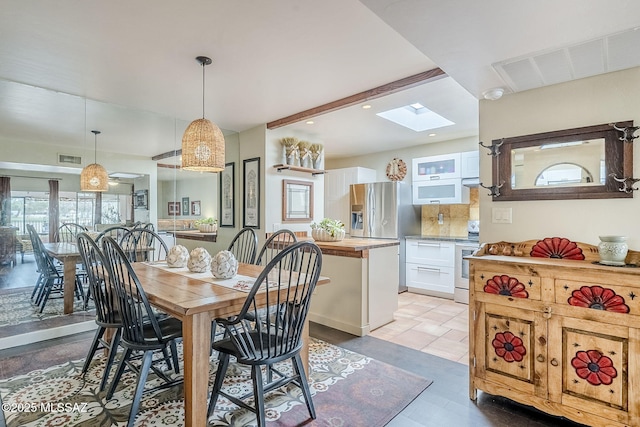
415 117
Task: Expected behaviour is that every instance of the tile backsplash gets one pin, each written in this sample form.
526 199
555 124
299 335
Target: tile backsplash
454 217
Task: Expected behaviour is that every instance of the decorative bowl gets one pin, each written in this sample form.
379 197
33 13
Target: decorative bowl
208 228
224 265
199 260
178 256
321 235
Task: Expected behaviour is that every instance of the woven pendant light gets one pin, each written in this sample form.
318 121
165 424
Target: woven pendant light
203 141
94 177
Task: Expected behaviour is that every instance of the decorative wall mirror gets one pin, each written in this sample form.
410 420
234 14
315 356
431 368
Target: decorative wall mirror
297 201
580 163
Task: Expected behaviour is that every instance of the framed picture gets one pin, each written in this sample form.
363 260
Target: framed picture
185 206
174 208
195 207
297 201
141 199
251 193
227 199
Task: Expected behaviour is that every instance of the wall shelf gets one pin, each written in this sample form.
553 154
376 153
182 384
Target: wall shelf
314 172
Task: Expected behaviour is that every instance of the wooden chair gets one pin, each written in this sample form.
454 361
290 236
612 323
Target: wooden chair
105 299
274 245
143 244
116 231
68 231
141 330
244 245
260 337
8 245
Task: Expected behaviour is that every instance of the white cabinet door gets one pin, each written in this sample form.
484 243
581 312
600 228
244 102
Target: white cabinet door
470 164
434 279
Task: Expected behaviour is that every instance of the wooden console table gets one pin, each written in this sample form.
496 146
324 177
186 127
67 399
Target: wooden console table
562 335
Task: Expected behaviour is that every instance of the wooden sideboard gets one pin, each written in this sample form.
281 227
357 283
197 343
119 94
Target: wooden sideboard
561 335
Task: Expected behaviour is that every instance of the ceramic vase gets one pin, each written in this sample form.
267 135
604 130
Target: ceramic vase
613 250
224 265
178 256
199 260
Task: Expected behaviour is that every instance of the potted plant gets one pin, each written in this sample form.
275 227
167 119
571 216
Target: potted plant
207 225
327 230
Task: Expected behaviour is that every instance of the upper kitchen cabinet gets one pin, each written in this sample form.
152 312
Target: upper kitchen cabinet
336 191
446 166
470 164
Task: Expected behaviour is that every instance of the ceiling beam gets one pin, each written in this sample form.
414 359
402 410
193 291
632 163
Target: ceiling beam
168 154
367 95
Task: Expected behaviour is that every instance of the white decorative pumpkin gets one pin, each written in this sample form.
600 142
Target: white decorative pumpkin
178 256
199 260
224 265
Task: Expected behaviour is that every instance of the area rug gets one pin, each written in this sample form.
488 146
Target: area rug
16 307
348 389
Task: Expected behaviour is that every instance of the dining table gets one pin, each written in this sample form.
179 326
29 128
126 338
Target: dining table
68 254
196 300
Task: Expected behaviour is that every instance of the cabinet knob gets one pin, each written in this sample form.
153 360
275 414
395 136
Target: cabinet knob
540 358
542 340
554 362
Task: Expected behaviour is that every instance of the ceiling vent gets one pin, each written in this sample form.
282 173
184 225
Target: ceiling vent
613 52
68 159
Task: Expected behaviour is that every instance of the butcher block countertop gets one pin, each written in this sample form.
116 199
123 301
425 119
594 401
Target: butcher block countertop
354 247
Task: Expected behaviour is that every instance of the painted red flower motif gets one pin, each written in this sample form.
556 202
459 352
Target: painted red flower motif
598 298
556 247
505 285
594 367
509 347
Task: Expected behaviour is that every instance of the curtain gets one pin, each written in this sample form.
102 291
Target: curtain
97 216
54 209
5 200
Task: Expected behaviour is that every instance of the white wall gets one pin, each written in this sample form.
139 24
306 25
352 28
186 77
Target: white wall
274 185
612 97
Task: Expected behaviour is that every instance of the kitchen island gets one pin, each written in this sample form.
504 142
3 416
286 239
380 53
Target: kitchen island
363 293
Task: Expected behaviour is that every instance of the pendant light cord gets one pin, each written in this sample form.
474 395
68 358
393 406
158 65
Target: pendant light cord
203 65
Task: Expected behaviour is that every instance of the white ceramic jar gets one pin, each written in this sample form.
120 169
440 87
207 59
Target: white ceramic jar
613 250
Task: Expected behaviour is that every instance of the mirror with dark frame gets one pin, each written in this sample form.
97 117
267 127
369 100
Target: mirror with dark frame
297 201
579 163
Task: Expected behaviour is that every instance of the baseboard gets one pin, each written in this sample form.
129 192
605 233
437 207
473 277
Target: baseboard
341 326
46 334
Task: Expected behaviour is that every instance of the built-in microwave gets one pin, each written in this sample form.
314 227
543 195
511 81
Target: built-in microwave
445 166
443 191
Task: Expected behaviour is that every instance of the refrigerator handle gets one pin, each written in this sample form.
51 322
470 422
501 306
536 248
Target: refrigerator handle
371 209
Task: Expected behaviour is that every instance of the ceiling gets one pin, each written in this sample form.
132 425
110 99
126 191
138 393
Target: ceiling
128 68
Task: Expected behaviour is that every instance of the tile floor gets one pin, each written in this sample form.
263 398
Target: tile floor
433 325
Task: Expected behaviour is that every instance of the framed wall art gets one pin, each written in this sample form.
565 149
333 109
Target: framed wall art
251 193
195 207
174 208
141 199
227 199
185 206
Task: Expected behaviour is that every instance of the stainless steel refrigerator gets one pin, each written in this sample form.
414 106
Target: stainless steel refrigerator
384 210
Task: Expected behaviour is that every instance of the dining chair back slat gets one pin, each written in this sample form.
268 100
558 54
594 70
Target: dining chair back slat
117 232
143 244
274 245
244 245
68 232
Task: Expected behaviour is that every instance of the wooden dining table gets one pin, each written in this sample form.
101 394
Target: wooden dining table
68 254
197 303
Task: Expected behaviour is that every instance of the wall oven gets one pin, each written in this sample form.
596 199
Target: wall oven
461 271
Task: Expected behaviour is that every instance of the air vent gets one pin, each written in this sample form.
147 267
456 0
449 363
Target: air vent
68 159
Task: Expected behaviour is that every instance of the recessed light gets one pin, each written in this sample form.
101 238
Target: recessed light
366 106
309 122
432 134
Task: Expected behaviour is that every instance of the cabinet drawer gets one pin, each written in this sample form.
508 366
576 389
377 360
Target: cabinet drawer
598 296
507 282
430 277
431 252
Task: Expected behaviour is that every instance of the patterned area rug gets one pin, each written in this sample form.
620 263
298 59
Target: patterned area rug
16 307
348 389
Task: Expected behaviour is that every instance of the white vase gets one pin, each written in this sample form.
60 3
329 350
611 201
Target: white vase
613 250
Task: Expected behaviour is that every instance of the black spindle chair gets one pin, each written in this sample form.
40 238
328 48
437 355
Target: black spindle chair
143 244
274 245
244 245
105 299
141 329
263 336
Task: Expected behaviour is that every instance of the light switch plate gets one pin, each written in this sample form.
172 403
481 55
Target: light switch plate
501 215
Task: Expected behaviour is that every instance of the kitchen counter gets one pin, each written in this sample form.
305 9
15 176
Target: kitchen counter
443 238
354 247
363 293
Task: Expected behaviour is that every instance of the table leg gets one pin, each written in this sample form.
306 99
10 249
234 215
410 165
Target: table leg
69 283
196 341
304 351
